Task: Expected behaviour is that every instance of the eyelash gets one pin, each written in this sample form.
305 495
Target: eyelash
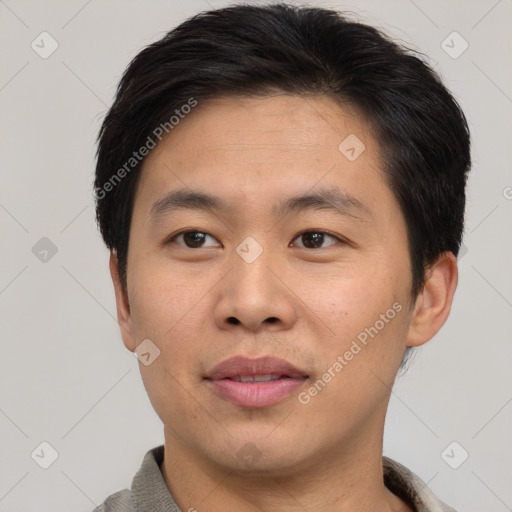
309 231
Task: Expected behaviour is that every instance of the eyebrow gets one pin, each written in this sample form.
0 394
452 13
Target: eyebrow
332 199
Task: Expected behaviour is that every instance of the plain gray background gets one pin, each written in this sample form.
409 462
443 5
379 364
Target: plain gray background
66 378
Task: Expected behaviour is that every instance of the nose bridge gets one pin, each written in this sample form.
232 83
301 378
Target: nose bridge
251 273
251 293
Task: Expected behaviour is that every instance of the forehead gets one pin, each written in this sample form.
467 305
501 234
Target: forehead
256 150
255 125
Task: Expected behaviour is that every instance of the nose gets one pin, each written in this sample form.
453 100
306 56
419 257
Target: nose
254 296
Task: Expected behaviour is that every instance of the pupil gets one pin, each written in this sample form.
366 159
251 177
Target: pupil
193 239
316 238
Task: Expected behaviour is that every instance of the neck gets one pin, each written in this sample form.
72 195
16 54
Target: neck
347 479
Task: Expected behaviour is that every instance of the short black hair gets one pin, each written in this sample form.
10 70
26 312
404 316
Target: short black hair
247 50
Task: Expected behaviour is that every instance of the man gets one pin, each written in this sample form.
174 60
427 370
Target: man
282 191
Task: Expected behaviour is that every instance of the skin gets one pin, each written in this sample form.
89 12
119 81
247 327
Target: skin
323 455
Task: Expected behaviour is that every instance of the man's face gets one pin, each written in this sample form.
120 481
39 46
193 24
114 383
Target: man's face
306 285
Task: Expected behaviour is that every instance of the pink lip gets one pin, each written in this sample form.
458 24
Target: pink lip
255 394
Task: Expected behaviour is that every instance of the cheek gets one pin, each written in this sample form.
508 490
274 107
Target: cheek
160 296
353 300
359 366
170 313
367 316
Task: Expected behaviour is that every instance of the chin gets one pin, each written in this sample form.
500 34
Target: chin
258 452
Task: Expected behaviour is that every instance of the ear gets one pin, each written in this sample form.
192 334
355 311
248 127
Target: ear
434 302
124 318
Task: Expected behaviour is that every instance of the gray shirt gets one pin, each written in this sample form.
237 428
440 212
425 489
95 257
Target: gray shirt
149 492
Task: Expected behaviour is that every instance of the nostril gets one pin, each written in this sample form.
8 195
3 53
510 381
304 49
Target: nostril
272 320
233 320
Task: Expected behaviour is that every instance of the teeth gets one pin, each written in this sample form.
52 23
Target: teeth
256 378
265 378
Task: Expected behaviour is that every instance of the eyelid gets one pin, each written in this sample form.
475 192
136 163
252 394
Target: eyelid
171 238
321 231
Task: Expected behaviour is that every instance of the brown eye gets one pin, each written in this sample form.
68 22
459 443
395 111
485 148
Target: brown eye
315 239
192 239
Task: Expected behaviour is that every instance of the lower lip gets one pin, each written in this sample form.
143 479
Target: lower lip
256 394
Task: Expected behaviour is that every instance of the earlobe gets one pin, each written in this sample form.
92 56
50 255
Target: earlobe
124 318
434 302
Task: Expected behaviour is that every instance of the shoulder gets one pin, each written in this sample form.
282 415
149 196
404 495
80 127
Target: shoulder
409 487
120 501
148 490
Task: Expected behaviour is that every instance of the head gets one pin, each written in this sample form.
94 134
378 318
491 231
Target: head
256 106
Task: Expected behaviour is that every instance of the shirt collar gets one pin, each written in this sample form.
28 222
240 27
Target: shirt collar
150 492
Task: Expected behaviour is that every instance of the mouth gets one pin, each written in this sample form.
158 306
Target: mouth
258 378
255 383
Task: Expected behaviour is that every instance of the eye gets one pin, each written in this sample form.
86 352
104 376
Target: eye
314 239
192 239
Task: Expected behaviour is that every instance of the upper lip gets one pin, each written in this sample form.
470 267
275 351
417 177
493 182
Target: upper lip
240 366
